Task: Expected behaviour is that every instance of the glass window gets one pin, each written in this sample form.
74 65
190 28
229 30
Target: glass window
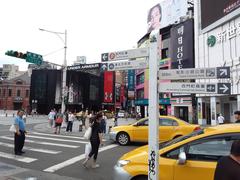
140 94
165 122
143 123
9 92
140 79
27 93
18 92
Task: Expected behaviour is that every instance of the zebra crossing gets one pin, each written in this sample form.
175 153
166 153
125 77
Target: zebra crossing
49 144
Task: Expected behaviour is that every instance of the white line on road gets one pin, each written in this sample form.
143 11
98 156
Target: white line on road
43 143
32 149
17 158
75 159
55 139
58 135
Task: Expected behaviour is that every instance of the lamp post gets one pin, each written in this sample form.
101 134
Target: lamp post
64 67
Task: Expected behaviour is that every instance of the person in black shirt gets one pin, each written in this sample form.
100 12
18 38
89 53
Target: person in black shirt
228 167
95 140
237 116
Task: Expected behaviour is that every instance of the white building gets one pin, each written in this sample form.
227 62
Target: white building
217 43
10 71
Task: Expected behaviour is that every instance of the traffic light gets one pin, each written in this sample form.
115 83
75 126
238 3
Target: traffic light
16 54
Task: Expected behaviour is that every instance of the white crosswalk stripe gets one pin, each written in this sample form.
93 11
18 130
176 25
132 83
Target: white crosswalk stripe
17 158
32 149
59 135
42 142
56 139
74 160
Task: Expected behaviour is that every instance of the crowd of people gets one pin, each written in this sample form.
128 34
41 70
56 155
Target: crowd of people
56 119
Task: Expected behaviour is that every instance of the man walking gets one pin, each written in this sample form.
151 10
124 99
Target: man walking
237 116
228 167
19 136
220 119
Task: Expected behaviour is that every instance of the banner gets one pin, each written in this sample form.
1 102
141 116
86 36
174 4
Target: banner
118 92
181 45
216 12
108 87
131 80
165 13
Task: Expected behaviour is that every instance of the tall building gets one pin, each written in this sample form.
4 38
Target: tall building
9 71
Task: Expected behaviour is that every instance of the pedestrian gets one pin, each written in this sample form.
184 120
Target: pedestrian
19 136
220 119
84 116
116 119
228 167
95 140
58 122
103 123
51 117
237 116
71 118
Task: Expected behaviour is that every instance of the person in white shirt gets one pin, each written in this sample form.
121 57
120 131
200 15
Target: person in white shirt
71 118
220 119
51 117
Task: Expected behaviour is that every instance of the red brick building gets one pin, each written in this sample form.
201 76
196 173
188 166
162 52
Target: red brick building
14 93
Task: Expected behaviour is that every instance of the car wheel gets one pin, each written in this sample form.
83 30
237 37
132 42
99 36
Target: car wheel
123 138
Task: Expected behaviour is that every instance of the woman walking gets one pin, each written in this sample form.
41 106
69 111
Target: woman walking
95 140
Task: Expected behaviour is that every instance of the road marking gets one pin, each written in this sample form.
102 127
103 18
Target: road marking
75 159
32 149
55 139
42 142
17 158
58 135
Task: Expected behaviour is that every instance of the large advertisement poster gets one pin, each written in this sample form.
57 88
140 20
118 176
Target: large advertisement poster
216 12
181 45
108 87
165 13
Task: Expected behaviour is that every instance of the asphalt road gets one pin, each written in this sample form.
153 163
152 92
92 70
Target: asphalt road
50 156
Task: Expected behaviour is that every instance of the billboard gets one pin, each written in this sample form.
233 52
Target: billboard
213 16
165 13
108 87
181 45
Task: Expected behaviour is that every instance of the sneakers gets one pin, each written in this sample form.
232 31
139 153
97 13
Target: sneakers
95 165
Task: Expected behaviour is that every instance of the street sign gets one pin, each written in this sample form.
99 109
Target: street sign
128 54
198 73
34 58
196 88
125 65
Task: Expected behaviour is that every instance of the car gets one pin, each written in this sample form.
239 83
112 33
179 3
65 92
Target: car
189 157
170 128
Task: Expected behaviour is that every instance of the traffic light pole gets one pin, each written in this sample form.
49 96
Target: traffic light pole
64 67
64 77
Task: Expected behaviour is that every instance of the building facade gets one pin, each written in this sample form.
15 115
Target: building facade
14 93
217 39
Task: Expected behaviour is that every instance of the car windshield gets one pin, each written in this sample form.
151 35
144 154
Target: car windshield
174 141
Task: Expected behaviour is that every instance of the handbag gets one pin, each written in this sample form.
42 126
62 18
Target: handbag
59 120
12 128
88 133
88 149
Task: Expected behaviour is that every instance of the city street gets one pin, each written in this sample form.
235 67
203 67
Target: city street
55 156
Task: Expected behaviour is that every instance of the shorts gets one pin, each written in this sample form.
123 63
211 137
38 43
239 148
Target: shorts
58 124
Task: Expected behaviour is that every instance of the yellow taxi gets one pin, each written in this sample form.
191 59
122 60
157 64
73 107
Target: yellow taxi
190 157
169 126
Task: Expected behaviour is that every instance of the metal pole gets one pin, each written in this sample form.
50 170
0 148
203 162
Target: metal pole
153 133
64 76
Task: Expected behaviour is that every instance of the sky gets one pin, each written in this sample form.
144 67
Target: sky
93 27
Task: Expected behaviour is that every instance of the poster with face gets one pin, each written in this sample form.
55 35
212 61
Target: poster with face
165 13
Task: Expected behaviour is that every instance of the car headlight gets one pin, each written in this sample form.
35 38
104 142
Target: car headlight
122 163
